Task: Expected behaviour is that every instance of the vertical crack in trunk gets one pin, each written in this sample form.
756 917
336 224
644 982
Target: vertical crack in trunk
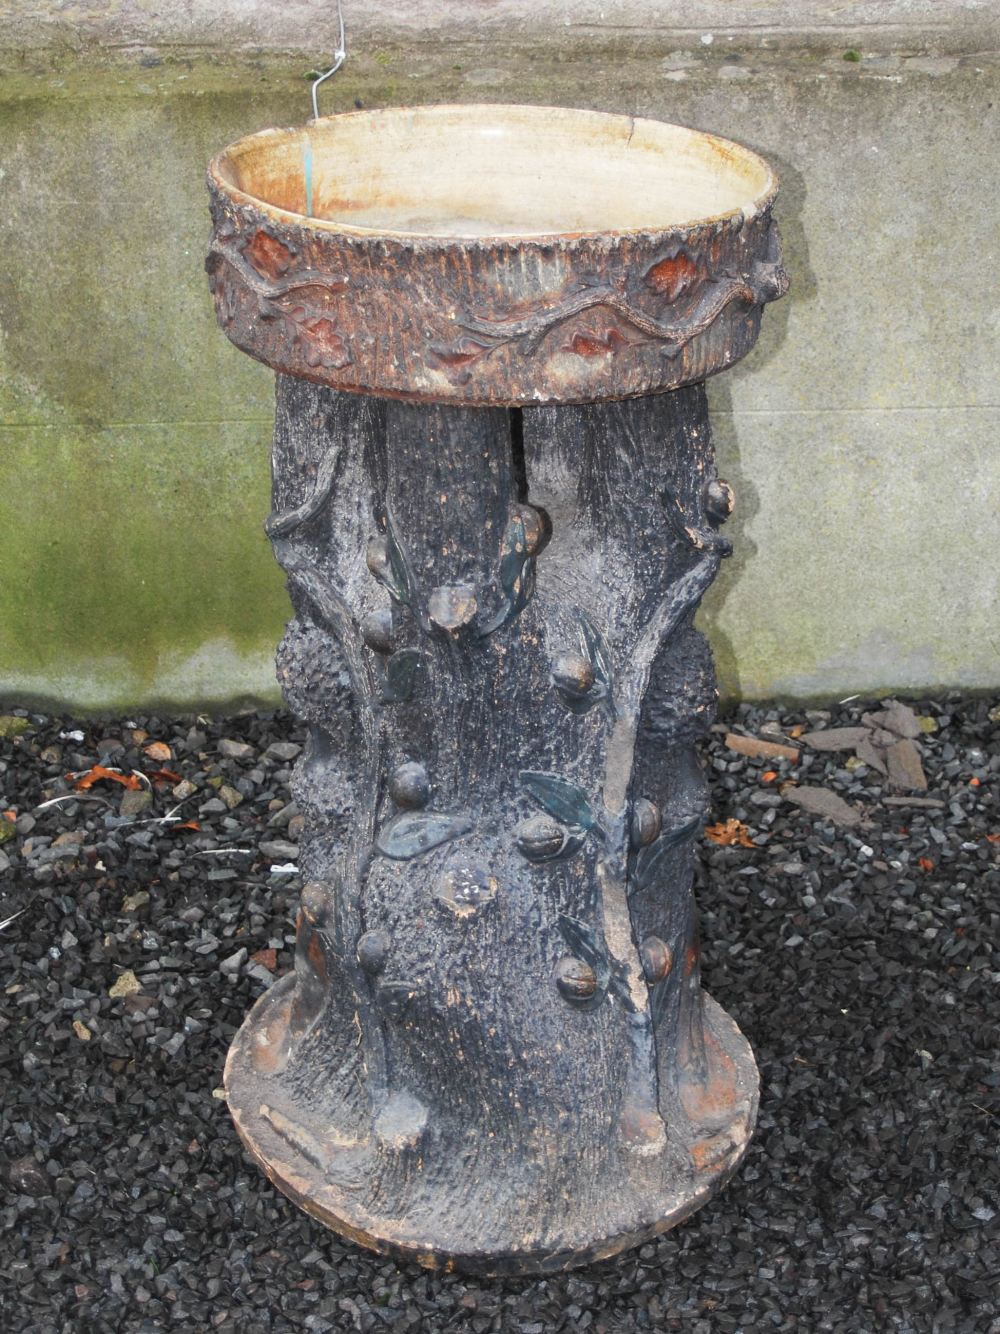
519 468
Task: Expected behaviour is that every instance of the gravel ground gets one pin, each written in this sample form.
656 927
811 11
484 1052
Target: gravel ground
858 955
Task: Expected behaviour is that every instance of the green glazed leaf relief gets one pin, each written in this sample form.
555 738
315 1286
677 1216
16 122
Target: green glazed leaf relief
563 800
586 678
397 567
517 575
415 832
385 560
515 553
583 943
647 862
401 675
595 648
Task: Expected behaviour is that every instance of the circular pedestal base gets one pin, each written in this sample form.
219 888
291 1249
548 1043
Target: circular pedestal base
350 1185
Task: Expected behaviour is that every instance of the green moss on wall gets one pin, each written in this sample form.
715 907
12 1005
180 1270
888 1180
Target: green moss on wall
127 550
134 439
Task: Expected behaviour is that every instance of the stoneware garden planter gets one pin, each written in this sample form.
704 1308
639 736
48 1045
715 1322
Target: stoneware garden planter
496 503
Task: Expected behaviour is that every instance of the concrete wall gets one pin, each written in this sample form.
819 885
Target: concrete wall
861 435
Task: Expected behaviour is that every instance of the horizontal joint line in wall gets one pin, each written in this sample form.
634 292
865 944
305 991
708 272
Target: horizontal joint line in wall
115 425
720 411
812 412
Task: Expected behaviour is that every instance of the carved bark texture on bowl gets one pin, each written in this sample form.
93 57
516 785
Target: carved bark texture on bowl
558 316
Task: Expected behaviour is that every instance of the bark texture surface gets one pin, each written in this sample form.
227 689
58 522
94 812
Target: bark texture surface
494 1051
529 309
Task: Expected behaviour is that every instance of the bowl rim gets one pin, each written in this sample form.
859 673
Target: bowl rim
759 204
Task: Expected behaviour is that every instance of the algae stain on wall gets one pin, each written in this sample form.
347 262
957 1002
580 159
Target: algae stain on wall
134 549
134 440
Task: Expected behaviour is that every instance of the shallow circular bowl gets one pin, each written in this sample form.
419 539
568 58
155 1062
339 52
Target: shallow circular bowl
493 254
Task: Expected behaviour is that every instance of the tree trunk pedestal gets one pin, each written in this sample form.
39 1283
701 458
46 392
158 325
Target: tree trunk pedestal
494 1053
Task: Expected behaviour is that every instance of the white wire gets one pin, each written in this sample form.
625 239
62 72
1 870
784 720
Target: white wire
339 56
